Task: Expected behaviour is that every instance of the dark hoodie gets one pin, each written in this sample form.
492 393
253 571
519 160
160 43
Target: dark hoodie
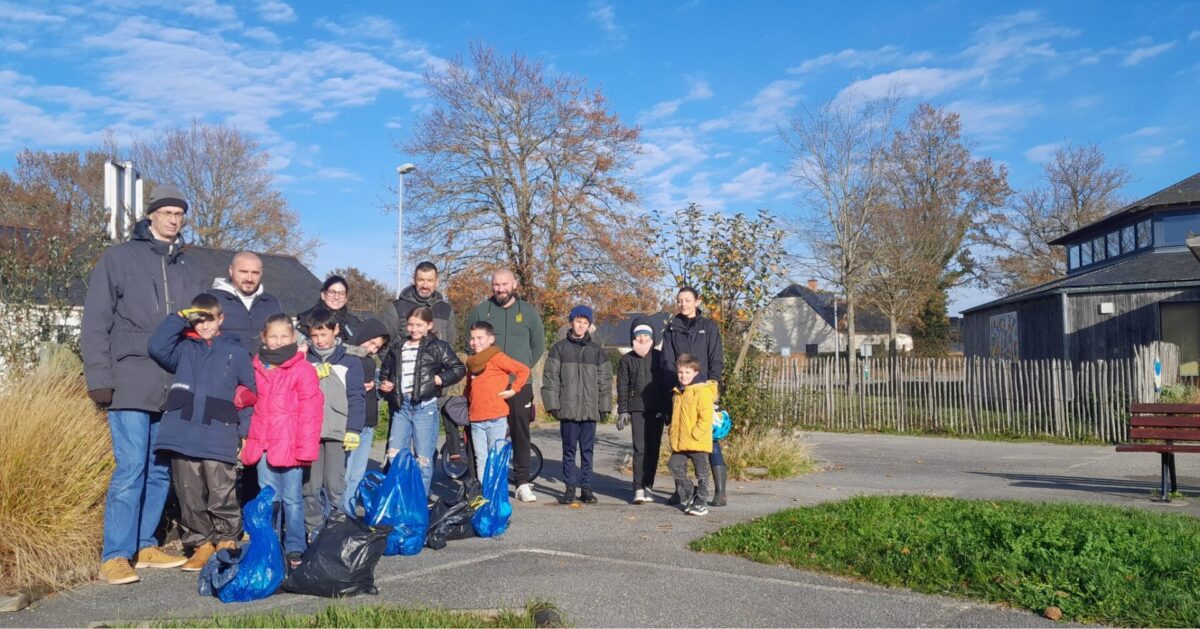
642 385
368 330
395 316
132 289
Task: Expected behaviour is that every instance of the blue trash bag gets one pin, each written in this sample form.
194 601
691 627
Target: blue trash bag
491 518
255 570
397 500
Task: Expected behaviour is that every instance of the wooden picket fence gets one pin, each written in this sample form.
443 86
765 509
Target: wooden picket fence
969 396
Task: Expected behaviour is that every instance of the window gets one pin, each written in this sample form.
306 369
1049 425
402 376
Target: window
1114 244
1179 327
1128 242
1098 249
1073 257
1144 234
1085 253
1177 227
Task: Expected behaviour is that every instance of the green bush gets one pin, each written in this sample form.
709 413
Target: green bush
1098 564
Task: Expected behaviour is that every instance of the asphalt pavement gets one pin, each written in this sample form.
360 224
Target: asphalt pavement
616 564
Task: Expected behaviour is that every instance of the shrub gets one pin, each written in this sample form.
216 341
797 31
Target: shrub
55 463
782 453
1179 394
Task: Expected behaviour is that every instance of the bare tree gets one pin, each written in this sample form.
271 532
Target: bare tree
366 294
530 171
839 158
937 192
1079 187
230 188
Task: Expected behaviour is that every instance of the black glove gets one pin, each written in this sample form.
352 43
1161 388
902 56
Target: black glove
102 397
622 421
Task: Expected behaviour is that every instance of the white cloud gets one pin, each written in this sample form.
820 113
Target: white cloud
1144 132
276 11
908 83
263 35
336 173
605 17
1194 35
365 27
1154 153
699 90
15 13
1010 43
769 108
1141 54
754 183
1042 153
991 122
854 58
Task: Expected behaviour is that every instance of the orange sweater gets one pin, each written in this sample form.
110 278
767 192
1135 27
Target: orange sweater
484 388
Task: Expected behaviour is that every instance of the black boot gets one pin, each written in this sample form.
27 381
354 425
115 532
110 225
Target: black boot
587 496
719 473
568 496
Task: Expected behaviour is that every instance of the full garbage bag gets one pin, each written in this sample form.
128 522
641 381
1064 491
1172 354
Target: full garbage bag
253 571
491 518
341 562
397 500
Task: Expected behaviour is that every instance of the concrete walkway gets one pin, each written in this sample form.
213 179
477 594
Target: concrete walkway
616 564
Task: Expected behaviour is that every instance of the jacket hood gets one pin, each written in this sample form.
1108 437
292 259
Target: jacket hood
223 284
141 231
368 330
410 294
679 322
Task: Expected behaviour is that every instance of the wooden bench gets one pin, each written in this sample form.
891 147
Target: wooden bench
1160 428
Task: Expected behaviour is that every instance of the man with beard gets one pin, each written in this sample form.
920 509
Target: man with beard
244 301
521 335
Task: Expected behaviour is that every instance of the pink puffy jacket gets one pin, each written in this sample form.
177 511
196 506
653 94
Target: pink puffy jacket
287 419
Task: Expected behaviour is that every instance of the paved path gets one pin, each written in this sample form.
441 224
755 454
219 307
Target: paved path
617 564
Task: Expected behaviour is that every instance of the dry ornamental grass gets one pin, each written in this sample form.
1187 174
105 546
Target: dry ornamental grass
55 463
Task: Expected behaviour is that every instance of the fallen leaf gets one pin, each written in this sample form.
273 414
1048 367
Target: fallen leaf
1053 613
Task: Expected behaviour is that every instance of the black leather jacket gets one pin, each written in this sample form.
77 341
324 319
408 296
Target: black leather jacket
435 357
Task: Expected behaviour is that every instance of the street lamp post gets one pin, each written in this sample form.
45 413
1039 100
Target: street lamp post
401 172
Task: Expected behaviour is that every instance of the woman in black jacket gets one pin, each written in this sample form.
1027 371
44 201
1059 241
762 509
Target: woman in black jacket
335 296
414 373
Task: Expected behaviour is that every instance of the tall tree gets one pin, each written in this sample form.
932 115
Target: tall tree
734 261
840 161
230 188
1079 186
366 294
530 171
937 191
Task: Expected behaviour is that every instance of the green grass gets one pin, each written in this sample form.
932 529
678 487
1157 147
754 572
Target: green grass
368 616
1098 564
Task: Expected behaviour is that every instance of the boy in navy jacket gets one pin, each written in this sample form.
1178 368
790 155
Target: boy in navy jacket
341 380
202 428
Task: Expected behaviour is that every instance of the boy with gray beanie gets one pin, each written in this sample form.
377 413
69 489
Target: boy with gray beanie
643 402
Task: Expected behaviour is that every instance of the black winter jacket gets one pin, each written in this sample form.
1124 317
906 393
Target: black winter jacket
368 330
246 324
577 380
395 316
698 336
435 357
133 287
642 385
347 323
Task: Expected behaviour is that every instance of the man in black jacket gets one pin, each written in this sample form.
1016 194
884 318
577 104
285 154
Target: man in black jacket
244 301
422 292
644 402
133 287
691 333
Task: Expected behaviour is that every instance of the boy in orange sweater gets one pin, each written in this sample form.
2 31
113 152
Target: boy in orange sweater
492 378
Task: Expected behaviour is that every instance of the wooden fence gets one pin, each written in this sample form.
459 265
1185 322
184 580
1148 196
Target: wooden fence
969 396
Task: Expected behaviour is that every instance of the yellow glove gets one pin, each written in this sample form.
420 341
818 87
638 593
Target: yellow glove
195 314
351 441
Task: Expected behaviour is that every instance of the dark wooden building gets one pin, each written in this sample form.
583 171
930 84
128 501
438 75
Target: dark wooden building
1131 280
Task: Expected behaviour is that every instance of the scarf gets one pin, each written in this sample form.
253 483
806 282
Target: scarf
479 361
278 356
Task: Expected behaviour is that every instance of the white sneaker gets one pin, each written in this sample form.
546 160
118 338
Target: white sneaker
647 495
525 493
639 496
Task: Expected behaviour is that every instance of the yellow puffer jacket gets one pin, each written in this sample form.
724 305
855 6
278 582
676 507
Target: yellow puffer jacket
692 418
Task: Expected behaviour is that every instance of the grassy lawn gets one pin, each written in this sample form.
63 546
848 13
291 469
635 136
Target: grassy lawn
367 616
1096 563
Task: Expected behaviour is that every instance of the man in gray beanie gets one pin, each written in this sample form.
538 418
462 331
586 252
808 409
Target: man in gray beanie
133 287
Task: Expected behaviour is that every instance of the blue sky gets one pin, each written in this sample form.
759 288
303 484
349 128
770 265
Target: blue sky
328 88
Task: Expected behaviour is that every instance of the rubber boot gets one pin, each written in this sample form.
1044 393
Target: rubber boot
587 497
720 473
568 496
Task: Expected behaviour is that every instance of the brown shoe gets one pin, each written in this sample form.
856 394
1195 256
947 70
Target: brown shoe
227 544
199 557
152 557
118 572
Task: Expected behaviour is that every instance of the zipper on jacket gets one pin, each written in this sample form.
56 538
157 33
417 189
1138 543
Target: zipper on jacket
166 286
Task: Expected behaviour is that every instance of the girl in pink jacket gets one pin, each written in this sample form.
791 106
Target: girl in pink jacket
285 430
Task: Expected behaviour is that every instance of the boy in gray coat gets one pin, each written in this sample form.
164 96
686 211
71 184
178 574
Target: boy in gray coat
577 390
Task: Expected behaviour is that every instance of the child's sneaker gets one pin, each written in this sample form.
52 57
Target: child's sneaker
647 495
697 507
525 493
639 496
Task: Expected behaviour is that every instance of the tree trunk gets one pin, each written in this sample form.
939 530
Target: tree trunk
892 335
746 340
851 345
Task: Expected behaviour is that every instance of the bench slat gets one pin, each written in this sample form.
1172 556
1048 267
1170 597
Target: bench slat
1159 447
1178 421
1176 434
1159 409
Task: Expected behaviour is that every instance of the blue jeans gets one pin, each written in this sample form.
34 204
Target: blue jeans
415 426
717 457
577 437
483 435
138 489
356 466
288 483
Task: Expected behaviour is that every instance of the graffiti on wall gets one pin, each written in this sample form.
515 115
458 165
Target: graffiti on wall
1004 337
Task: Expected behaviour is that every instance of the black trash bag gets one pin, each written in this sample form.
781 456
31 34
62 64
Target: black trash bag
450 519
341 562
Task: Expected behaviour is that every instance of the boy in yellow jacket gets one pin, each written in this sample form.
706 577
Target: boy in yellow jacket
691 434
